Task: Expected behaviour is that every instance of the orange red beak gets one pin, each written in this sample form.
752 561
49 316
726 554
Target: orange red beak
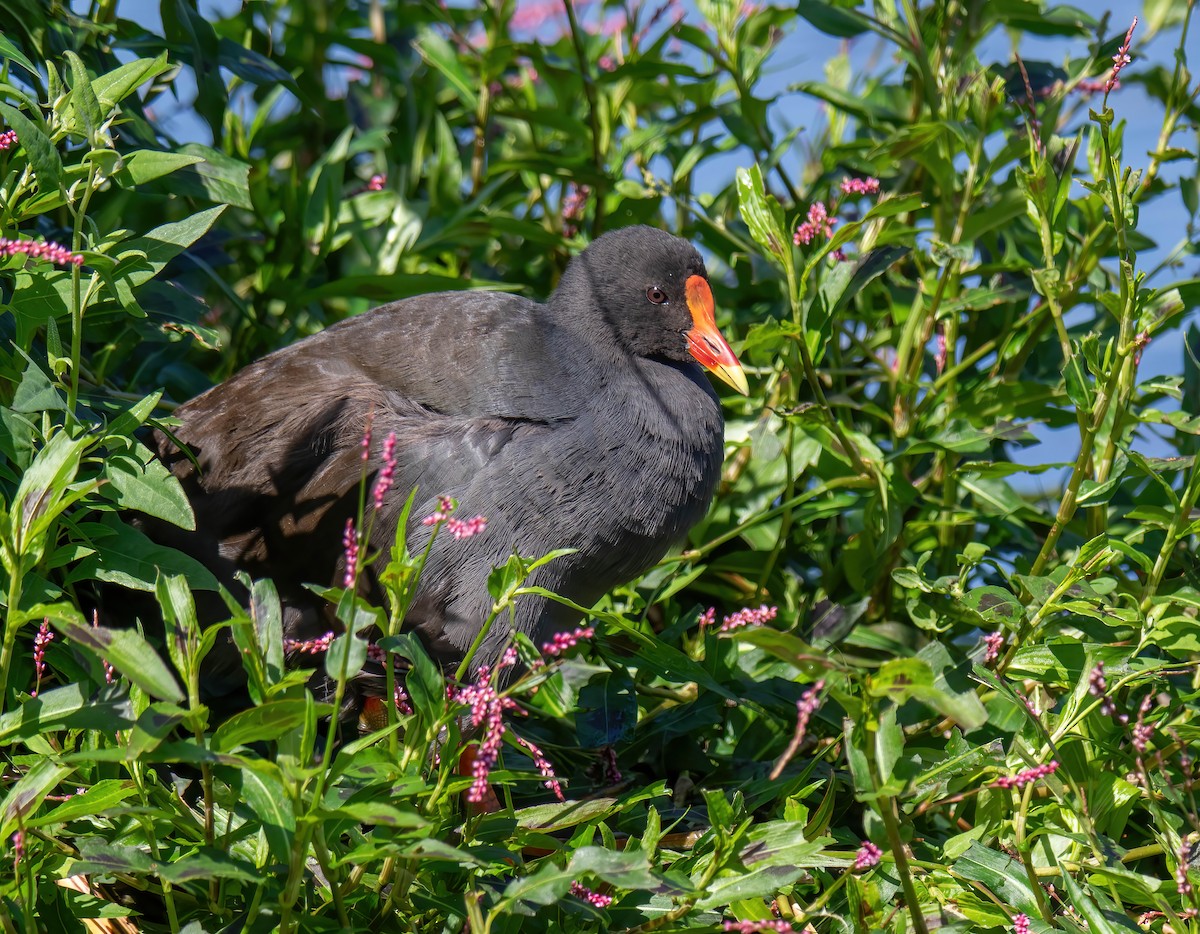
705 342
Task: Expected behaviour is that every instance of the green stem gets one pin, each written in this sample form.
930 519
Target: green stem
887 806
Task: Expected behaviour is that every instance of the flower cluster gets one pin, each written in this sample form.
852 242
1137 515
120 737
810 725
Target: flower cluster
1024 778
566 640
1121 59
49 251
8 139
1182 885
868 855
993 642
543 765
748 617
387 473
43 638
1098 687
860 186
350 544
581 891
1021 924
465 528
610 773
754 927
376 183
1143 731
818 221
487 710
459 528
309 646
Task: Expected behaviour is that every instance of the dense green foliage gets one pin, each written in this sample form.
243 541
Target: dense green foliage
948 619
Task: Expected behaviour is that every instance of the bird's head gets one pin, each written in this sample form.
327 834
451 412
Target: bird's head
652 293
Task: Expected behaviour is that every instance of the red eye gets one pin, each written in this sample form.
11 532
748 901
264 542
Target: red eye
656 295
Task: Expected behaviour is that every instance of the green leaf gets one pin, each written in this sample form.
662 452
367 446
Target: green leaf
129 653
47 166
69 707
143 258
139 480
104 794
27 794
263 723
1001 874
144 165
262 788
763 215
127 557
113 87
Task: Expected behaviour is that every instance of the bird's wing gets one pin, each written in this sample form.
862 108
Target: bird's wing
455 375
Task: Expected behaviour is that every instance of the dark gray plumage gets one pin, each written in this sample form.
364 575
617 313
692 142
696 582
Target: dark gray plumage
582 423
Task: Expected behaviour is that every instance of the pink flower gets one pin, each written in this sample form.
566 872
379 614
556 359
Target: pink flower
1098 687
993 642
309 646
8 139
1021 924
43 638
868 855
387 473
1121 59
818 221
1182 885
1024 778
543 766
18 847
708 617
350 544
402 701
377 182
566 640
754 927
748 617
366 441
860 186
465 529
49 251
487 709
445 506
1143 732
595 898
610 774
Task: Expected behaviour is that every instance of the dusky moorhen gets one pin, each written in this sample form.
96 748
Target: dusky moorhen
585 422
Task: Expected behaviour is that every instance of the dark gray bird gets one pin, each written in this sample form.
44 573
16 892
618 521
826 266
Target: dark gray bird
585 422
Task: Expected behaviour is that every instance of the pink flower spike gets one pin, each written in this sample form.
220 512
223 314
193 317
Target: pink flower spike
350 544
708 617
860 186
53 252
748 617
759 927
445 506
376 183
566 640
44 637
387 473
868 855
592 898
1021 924
543 765
993 643
1182 885
1024 778
1121 59
460 529
8 139
309 646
